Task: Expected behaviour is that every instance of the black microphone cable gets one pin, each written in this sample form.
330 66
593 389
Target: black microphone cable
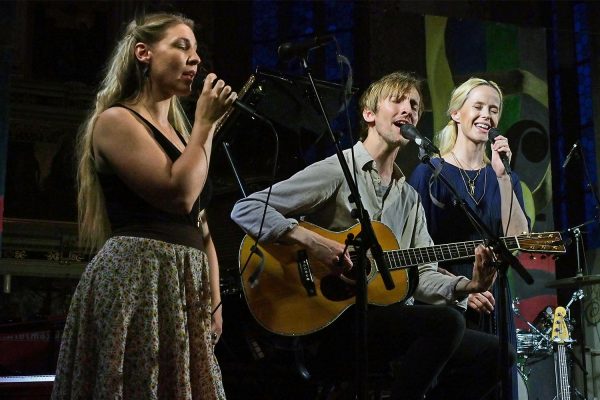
252 113
264 214
255 249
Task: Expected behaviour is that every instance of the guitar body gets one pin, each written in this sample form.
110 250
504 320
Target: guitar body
296 295
290 294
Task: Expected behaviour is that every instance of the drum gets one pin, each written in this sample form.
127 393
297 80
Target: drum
523 392
533 343
535 378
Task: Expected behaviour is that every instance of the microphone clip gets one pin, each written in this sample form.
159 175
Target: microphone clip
572 153
411 133
289 50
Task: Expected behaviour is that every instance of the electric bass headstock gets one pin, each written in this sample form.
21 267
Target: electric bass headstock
560 331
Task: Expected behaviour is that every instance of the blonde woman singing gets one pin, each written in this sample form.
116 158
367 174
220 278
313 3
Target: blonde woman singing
475 108
145 318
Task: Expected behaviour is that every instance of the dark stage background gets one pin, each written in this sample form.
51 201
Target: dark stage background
543 54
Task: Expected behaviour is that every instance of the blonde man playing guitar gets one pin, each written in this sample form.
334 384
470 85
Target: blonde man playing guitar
437 355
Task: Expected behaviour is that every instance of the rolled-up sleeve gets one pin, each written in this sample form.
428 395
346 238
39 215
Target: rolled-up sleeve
436 287
248 212
299 195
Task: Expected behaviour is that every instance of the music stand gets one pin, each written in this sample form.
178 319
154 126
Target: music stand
287 101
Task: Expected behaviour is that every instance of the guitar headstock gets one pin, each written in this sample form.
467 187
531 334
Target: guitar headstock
560 332
547 242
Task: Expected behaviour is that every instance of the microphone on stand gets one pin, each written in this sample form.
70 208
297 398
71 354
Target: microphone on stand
290 50
571 153
411 133
492 135
249 110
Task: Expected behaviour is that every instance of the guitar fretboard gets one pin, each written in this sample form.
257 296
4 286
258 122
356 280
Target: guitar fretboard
442 252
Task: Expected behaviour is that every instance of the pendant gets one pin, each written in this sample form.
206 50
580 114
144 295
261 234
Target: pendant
472 188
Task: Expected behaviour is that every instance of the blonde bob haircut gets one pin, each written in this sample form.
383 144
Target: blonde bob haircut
124 81
395 84
446 138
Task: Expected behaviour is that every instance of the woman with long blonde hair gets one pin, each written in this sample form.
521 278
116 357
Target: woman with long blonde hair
146 313
482 182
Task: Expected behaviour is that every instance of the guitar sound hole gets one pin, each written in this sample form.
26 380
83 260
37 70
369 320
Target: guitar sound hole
335 289
351 273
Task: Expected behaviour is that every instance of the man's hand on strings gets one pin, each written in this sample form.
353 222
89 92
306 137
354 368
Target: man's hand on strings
322 249
484 270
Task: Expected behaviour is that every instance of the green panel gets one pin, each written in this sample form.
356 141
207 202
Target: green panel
511 112
502 48
439 76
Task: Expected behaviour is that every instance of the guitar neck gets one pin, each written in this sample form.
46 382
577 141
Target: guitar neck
442 252
561 372
560 336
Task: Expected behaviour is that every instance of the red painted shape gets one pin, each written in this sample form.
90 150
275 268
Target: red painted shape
531 308
537 261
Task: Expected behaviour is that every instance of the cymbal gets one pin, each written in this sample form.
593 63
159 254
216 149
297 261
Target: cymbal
574 282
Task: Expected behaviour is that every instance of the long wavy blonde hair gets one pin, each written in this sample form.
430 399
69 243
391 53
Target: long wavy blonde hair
446 138
124 81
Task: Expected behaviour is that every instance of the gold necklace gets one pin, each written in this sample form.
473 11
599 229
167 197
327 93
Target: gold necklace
470 182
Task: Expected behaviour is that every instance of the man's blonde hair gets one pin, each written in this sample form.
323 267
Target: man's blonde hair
395 84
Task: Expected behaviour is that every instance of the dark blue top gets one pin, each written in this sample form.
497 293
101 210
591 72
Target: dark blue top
447 223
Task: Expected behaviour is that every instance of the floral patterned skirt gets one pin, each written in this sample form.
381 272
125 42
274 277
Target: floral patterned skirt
139 326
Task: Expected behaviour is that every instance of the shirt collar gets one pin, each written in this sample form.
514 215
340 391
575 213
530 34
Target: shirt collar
366 162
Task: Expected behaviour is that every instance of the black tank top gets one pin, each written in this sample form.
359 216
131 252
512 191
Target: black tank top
131 215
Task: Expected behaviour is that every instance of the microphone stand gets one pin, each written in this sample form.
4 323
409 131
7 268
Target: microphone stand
365 242
506 259
238 179
580 249
580 253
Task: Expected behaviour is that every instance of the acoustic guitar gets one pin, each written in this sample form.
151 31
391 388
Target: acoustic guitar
288 293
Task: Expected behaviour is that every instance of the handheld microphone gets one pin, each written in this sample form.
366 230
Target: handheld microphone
197 88
289 50
571 153
492 135
411 133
